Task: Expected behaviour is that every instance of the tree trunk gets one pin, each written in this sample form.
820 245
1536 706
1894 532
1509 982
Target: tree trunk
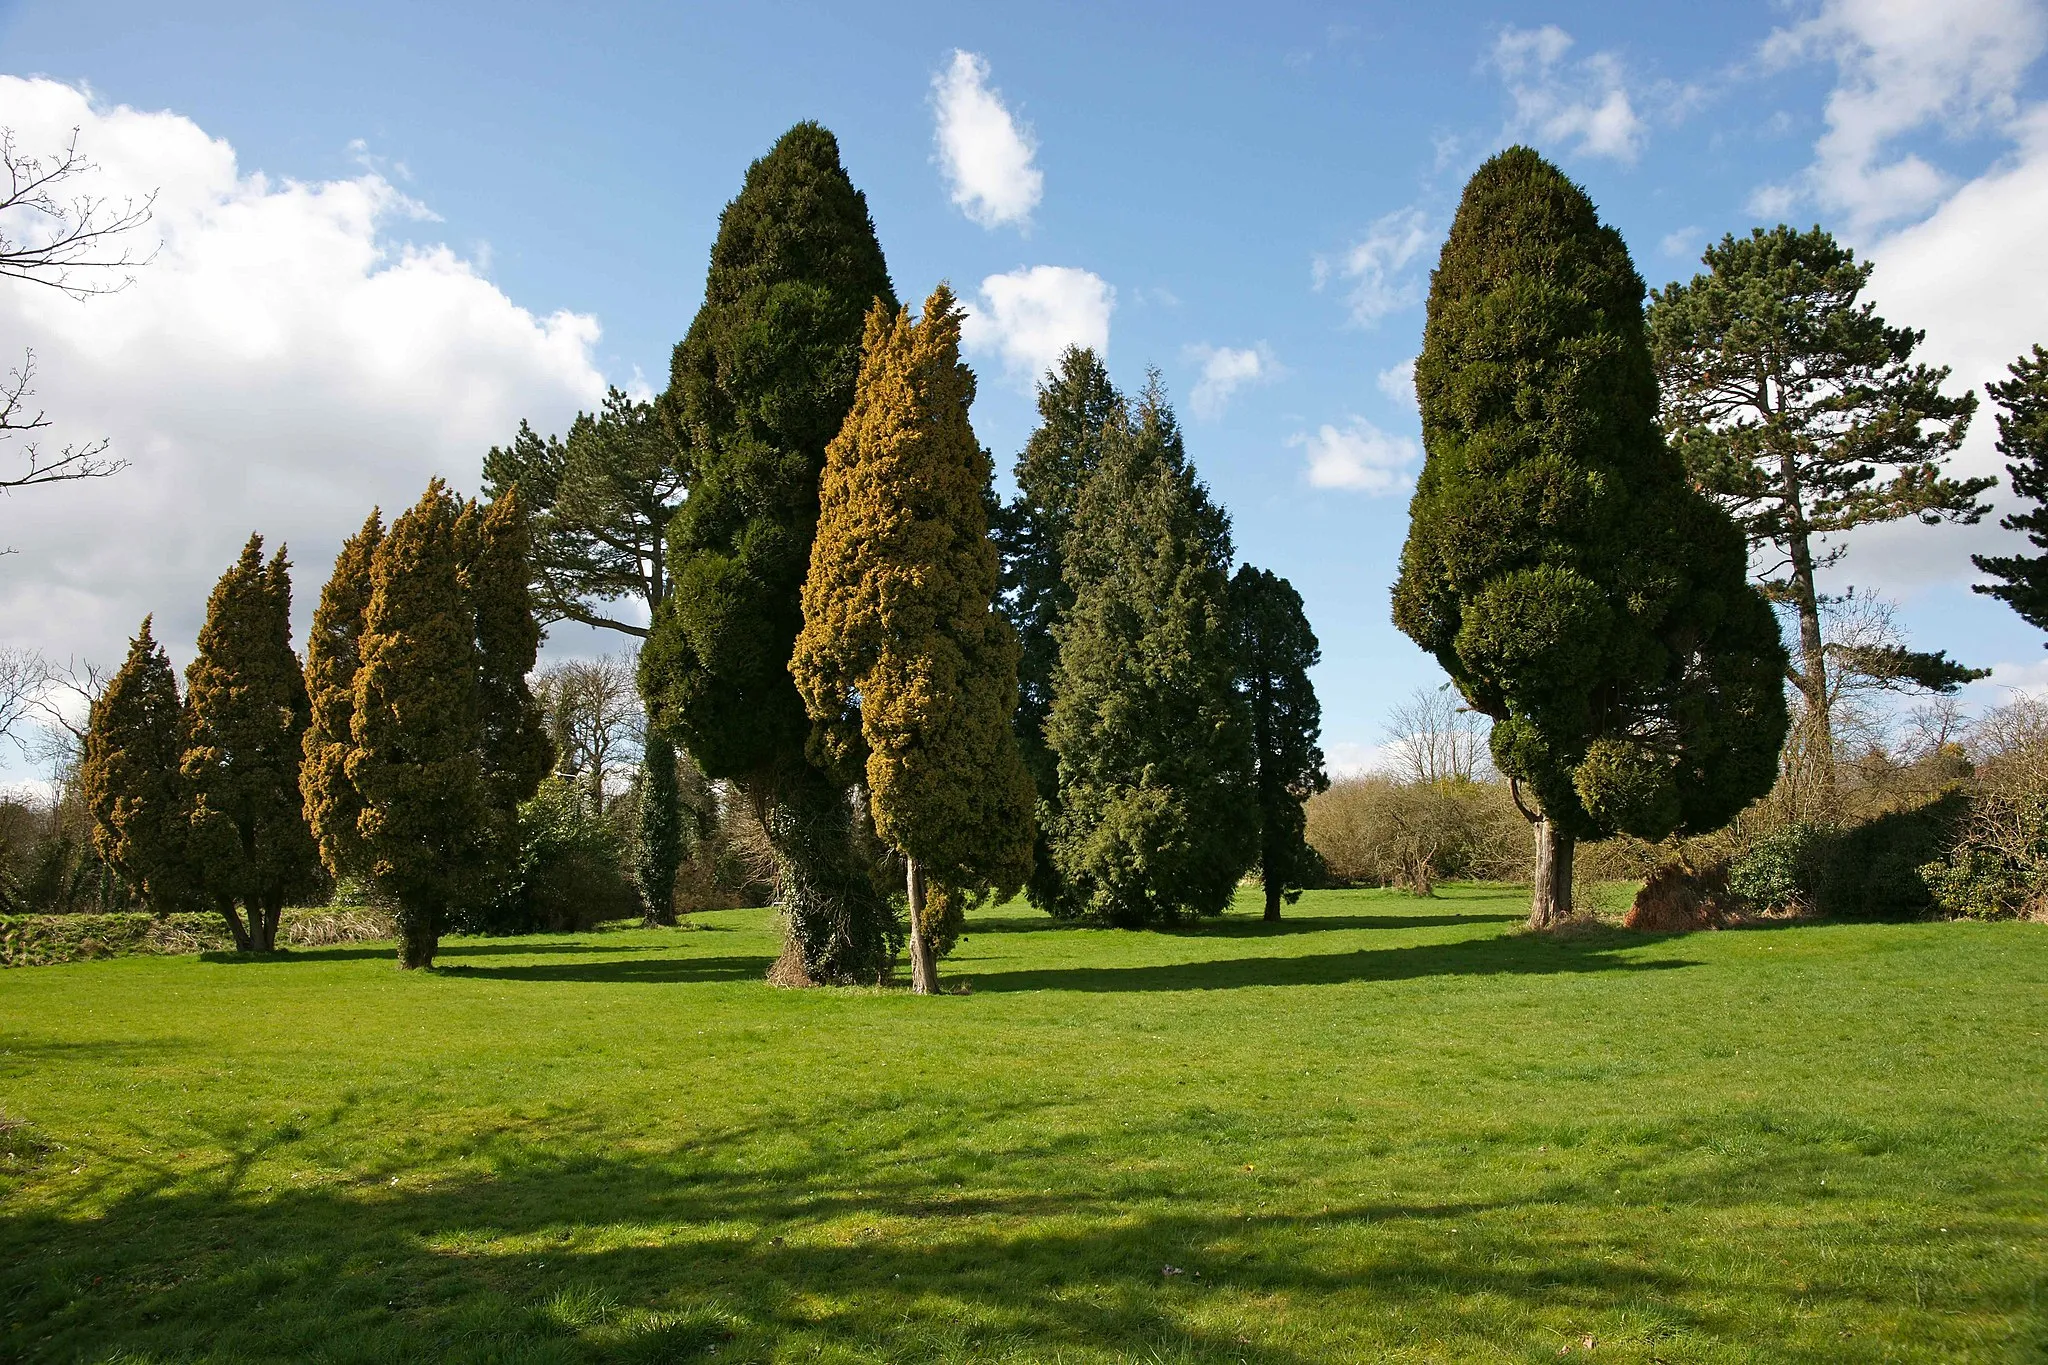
838 928
418 940
243 942
1552 902
924 968
1812 673
273 915
1272 899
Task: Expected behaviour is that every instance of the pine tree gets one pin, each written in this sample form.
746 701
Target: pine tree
418 729
246 716
333 654
758 387
1275 650
1558 564
129 777
516 752
1158 814
1078 412
907 670
659 852
1801 411
2023 440
600 504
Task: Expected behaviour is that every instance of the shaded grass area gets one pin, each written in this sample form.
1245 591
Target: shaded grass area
1384 1129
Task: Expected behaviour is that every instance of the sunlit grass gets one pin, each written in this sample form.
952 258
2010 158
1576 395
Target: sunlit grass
1390 1130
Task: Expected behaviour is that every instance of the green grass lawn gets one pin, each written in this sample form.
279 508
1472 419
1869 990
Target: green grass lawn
1388 1129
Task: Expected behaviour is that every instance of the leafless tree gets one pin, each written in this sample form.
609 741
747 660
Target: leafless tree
1435 737
592 708
22 674
77 244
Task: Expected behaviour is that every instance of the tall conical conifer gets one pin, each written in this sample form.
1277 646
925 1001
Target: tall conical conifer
246 716
333 654
129 776
1078 412
757 388
418 729
907 669
517 754
659 853
2023 439
1158 815
1275 649
1559 565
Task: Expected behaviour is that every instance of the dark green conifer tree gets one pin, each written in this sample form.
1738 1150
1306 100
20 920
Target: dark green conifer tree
517 753
1158 812
129 775
418 729
758 387
333 654
246 715
660 850
1275 650
2023 440
1078 411
1559 565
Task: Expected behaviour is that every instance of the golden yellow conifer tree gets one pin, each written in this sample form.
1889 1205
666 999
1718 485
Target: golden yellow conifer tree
908 672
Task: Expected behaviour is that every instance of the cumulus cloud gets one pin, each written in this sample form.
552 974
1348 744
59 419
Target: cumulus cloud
1397 382
986 156
280 366
1379 266
1584 104
1902 67
1224 371
1026 317
1357 456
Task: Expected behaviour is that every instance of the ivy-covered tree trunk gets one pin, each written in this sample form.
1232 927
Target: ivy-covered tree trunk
661 830
838 925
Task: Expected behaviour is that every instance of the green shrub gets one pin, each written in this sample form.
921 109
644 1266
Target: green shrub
571 873
1871 870
1776 871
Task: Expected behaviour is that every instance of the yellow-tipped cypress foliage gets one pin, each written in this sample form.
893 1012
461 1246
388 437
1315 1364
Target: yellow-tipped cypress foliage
129 777
908 672
418 730
333 654
245 725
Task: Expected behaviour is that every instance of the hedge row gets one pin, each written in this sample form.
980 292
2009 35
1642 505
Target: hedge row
38 940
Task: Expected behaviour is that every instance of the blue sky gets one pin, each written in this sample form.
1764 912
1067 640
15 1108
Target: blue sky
1262 188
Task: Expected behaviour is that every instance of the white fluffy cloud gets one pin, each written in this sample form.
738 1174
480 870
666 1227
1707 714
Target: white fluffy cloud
1026 317
1397 382
1357 456
1583 104
1378 267
987 157
278 367
1224 370
1902 66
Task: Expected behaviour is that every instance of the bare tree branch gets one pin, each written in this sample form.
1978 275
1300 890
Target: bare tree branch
64 235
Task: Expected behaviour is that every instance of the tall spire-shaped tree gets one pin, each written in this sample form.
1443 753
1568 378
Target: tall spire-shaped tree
418 728
246 717
129 776
1275 650
333 654
516 752
1157 814
2023 440
907 669
758 387
1558 564
1079 411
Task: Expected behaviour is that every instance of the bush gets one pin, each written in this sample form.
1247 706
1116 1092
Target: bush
572 868
1776 872
1375 831
1872 870
1997 865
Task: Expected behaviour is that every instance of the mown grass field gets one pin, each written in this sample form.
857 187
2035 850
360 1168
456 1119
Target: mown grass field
1389 1130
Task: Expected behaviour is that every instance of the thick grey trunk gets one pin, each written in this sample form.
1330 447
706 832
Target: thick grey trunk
924 967
1552 902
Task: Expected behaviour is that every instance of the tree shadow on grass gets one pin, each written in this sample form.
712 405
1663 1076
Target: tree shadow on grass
1509 955
1240 926
458 948
858 1252
640 970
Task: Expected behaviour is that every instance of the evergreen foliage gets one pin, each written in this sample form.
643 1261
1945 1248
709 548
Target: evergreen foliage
659 851
517 752
1275 650
1559 565
1078 412
600 504
129 775
760 384
907 670
1158 813
1801 411
333 654
2023 440
246 713
418 729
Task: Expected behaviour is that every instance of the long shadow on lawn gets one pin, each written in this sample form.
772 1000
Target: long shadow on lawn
646 969
1241 926
1511 955
447 950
